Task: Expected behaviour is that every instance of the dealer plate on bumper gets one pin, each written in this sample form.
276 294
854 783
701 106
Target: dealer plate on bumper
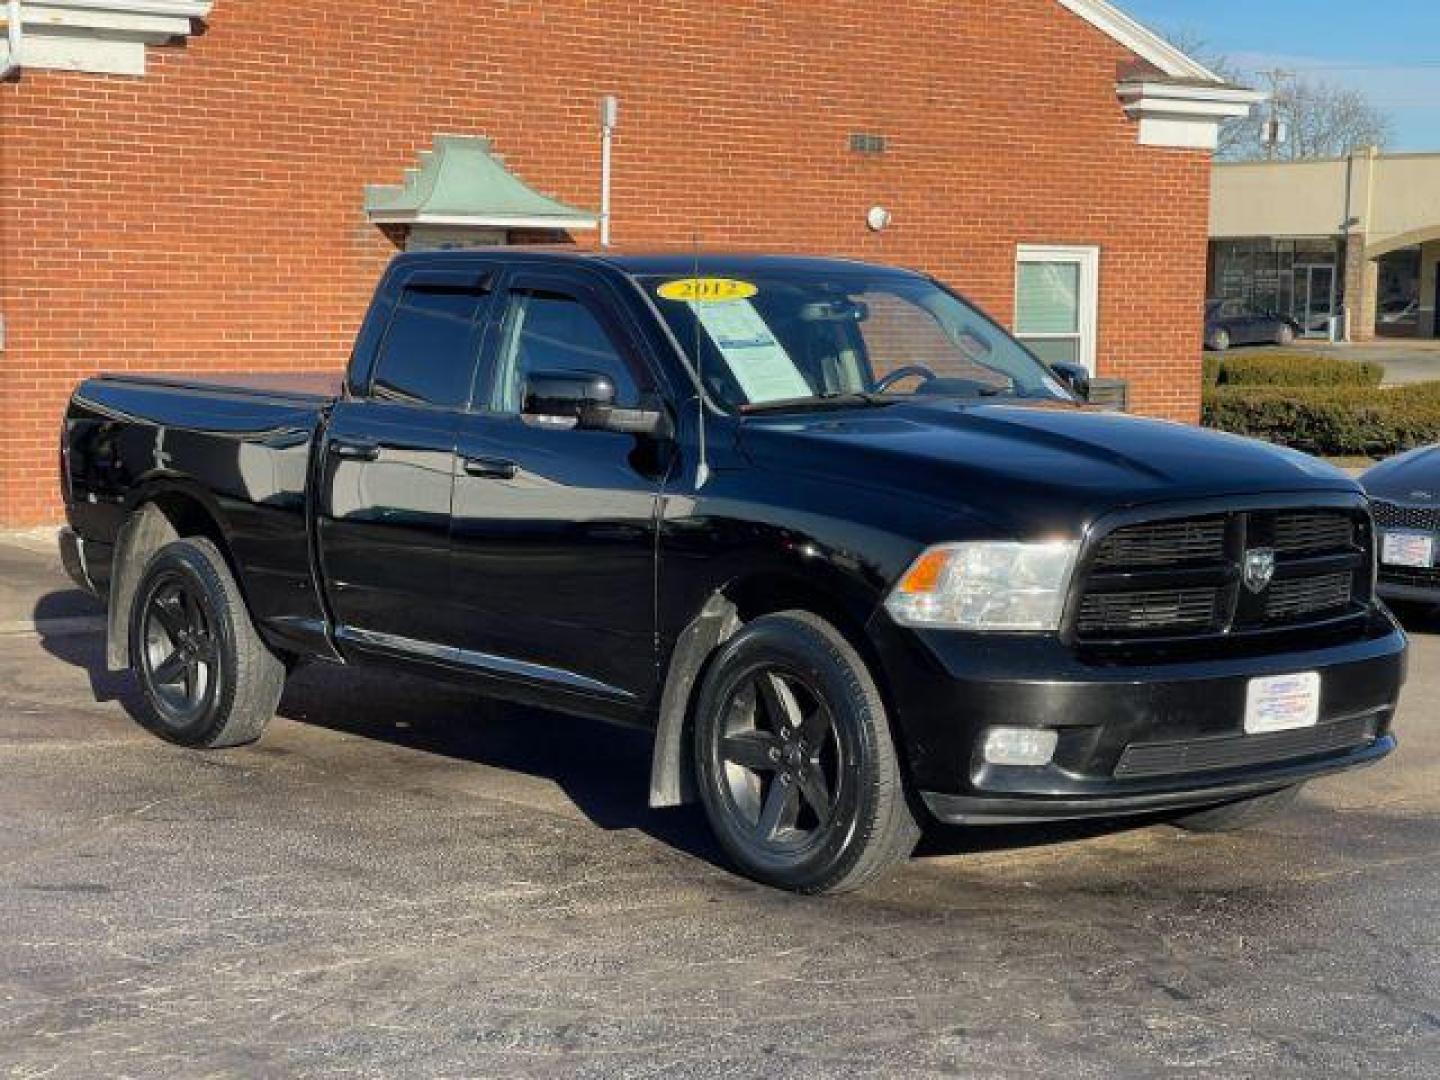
1282 703
1407 548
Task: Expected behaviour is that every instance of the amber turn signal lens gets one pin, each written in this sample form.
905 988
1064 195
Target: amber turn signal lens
924 574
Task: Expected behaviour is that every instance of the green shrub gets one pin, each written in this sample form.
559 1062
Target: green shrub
1289 369
1329 420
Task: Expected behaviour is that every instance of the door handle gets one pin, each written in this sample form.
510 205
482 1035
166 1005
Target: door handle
490 468
355 449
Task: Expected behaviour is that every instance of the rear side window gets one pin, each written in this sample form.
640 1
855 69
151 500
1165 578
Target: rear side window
428 355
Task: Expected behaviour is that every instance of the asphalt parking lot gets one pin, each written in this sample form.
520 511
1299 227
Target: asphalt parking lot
401 879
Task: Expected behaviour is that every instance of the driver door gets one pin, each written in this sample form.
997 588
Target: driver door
553 528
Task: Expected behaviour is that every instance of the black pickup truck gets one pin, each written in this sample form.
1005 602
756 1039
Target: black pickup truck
859 559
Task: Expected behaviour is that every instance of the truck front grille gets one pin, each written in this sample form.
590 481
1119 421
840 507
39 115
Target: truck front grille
1142 760
1154 609
1185 579
1306 596
1164 543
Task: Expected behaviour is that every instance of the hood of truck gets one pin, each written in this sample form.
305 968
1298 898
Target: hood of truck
1029 468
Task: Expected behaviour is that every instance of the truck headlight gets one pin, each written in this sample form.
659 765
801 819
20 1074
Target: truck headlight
986 586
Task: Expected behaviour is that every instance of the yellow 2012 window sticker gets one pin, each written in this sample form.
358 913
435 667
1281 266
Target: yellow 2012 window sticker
706 290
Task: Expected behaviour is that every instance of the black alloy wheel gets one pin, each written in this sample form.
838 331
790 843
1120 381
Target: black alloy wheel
181 654
207 679
794 759
781 759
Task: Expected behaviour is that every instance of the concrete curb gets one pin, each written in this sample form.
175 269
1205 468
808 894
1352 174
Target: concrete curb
67 626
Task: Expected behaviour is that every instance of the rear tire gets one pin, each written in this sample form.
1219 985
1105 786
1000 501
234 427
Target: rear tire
794 759
206 678
1220 341
1240 815
1286 336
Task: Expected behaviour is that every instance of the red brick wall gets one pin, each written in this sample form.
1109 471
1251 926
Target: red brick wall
209 214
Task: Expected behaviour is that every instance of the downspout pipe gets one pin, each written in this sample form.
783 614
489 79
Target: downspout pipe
14 35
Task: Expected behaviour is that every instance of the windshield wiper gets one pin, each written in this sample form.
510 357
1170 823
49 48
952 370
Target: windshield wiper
833 400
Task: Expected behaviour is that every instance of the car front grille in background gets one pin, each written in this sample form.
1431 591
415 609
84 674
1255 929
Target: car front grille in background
1183 579
1390 515
1417 577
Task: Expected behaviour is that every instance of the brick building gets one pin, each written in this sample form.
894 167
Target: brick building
184 183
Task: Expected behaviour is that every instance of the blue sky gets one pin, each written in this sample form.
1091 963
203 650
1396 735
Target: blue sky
1390 48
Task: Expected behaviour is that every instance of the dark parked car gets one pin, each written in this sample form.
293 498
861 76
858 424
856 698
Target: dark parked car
1229 322
1405 499
858 558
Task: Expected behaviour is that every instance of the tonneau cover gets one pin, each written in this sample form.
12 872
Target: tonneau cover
309 385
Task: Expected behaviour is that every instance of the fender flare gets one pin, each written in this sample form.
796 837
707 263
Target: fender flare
671 777
143 533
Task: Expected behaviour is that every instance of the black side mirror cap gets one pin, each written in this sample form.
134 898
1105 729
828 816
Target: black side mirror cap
586 400
1074 376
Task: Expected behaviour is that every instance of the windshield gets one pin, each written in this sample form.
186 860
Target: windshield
772 340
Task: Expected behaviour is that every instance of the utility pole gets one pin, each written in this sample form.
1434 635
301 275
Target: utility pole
1276 131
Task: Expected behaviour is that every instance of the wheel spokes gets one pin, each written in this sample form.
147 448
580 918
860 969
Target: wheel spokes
815 790
170 611
782 806
172 668
778 701
754 750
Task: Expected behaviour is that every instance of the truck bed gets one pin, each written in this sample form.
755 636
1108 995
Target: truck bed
298 385
238 445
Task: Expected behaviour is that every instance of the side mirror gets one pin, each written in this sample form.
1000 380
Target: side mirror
586 400
1074 376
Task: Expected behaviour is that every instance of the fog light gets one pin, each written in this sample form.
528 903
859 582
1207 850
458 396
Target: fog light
1020 746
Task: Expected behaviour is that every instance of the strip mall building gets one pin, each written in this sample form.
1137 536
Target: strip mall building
197 186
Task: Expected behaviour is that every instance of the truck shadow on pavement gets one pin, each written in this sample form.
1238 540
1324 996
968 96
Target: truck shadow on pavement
602 769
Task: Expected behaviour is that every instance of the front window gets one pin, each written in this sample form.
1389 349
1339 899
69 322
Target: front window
770 339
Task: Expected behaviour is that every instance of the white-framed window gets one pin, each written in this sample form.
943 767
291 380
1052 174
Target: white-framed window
1057 294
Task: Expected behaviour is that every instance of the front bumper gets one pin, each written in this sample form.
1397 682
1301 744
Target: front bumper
1133 738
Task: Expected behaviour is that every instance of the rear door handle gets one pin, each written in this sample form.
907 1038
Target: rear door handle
355 449
490 468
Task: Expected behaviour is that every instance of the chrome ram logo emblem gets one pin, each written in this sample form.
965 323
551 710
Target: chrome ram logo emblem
1259 568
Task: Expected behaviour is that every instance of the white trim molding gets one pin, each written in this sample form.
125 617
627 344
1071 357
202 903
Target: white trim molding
1184 115
1141 40
1087 303
1181 105
106 37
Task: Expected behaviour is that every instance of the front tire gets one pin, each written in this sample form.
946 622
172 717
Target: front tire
794 759
206 679
1240 815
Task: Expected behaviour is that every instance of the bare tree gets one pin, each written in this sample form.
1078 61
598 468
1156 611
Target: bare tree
1323 118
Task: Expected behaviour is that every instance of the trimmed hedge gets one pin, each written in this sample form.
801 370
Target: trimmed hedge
1330 420
1289 369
